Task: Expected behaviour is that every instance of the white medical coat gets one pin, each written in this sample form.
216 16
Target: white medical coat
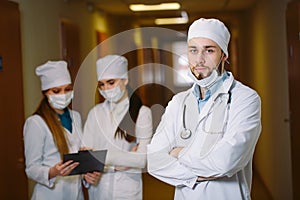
99 131
41 154
229 159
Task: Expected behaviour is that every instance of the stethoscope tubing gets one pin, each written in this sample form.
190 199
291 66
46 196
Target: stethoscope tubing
187 133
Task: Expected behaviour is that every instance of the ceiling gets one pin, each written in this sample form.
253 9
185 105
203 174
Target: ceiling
121 7
192 7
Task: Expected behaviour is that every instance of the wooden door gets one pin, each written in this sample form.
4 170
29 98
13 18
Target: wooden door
70 46
13 184
293 39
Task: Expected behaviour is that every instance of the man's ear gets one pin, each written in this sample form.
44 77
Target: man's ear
224 57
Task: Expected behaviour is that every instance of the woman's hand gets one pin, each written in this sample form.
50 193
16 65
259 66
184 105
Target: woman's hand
62 169
92 178
134 148
86 149
121 168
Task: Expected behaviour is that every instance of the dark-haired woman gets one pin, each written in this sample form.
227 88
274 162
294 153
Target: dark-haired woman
123 126
54 130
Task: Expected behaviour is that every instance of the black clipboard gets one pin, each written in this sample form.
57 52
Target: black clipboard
89 161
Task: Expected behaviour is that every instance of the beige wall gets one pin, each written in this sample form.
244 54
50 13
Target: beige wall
265 69
41 38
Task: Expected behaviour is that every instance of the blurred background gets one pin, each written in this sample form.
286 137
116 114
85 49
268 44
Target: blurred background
264 53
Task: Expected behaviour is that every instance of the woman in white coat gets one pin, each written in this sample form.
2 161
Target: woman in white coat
54 130
123 126
205 141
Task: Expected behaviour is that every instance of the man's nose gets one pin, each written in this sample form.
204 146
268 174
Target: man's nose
201 57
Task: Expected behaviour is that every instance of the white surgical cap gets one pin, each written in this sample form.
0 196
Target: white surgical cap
212 29
53 74
112 67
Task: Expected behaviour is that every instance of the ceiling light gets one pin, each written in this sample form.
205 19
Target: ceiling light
173 20
153 7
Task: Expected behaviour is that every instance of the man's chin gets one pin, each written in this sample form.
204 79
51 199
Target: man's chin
199 75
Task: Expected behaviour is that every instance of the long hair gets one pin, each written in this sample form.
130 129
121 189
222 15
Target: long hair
51 119
126 128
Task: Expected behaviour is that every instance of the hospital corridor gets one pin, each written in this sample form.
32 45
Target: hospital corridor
153 35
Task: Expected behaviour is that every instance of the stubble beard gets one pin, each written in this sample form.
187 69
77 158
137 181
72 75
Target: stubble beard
200 75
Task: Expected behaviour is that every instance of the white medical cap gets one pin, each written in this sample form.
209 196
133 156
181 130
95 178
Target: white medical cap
111 67
212 29
53 74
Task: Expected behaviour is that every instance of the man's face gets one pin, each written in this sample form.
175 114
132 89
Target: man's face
204 56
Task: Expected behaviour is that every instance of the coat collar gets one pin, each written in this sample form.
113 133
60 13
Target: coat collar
223 88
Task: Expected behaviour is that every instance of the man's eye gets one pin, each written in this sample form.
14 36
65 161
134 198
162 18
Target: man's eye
193 51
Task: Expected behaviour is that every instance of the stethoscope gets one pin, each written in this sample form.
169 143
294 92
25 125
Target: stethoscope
187 133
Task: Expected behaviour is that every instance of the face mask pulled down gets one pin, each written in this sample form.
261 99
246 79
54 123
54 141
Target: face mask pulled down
60 101
112 95
206 82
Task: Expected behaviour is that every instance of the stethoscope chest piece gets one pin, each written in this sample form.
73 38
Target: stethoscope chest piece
186 134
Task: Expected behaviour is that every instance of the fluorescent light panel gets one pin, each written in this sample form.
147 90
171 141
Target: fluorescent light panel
154 7
175 20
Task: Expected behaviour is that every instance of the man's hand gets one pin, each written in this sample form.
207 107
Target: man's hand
202 178
175 151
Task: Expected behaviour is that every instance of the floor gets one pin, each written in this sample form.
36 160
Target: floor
164 191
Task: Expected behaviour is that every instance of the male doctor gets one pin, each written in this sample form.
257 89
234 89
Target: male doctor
205 141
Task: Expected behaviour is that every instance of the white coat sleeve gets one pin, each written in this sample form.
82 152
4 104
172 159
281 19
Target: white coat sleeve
235 150
143 134
34 137
162 165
